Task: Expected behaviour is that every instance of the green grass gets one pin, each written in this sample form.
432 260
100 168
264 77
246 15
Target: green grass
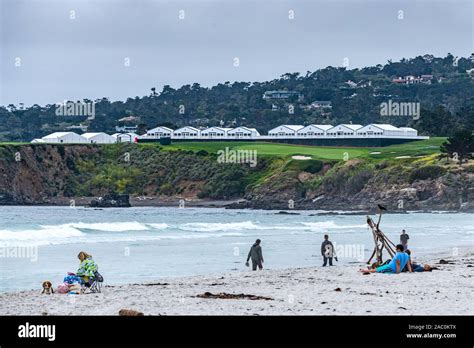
413 149
13 143
273 149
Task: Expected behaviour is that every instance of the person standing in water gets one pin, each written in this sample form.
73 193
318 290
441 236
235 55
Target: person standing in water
404 237
255 254
327 251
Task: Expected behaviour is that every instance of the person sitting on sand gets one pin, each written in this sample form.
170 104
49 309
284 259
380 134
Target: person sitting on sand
87 268
255 254
327 250
396 265
416 267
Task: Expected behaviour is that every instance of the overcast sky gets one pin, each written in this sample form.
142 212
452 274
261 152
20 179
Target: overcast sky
49 53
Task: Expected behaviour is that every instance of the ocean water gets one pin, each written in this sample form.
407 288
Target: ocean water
142 244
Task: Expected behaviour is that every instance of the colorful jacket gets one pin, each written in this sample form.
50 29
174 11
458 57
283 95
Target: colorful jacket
87 268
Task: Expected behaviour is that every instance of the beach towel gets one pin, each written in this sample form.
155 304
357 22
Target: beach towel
71 279
62 288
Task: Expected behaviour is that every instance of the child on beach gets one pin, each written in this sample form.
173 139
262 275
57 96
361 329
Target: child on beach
404 237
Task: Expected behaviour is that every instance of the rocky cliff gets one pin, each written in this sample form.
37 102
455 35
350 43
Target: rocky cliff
48 174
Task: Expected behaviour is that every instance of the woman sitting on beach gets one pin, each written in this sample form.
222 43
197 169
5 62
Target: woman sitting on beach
416 267
87 268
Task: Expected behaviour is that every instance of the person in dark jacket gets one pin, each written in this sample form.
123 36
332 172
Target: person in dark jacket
255 254
327 251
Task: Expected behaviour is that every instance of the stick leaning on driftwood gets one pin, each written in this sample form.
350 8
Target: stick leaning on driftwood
381 241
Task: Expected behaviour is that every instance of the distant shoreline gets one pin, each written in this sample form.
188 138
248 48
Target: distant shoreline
226 204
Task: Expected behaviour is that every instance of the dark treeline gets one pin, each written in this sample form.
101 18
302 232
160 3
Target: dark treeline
447 103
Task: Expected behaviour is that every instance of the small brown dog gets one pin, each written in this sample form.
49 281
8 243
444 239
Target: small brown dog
47 288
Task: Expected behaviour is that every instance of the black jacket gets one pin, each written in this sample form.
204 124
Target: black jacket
323 248
255 253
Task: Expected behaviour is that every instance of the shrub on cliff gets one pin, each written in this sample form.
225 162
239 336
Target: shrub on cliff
167 189
311 166
426 172
202 153
225 184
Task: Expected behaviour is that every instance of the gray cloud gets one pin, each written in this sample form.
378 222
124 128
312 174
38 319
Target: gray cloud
63 58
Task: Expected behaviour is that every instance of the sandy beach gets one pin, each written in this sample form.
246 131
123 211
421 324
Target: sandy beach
338 290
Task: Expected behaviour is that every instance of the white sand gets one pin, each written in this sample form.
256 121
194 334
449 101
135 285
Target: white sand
301 158
295 292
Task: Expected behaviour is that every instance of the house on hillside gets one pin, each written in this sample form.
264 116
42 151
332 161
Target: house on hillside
243 133
379 130
314 130
470 73
125 129
351 84
187 132
79 127
99 138
64 138
159 132
284 131
426 79
278 95
321 104
215 133
410 79
343 130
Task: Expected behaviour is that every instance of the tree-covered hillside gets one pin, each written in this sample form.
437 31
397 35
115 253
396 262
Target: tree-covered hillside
447 102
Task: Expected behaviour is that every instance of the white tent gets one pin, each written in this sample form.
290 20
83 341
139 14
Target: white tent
378 130
125 137
314 130
64 138
99 138
409 132
186 133
159 132
343 129
215 132
243 132
284 130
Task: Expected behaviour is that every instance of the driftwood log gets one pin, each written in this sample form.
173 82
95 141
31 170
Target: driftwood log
226 296
130 313
381 241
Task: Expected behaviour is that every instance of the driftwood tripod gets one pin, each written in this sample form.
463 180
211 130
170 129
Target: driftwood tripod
381 241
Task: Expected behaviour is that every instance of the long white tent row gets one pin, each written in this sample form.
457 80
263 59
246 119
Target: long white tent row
312 131
286 132
86 138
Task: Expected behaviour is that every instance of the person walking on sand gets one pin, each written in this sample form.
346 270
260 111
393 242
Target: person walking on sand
327 251
255 254
404 237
